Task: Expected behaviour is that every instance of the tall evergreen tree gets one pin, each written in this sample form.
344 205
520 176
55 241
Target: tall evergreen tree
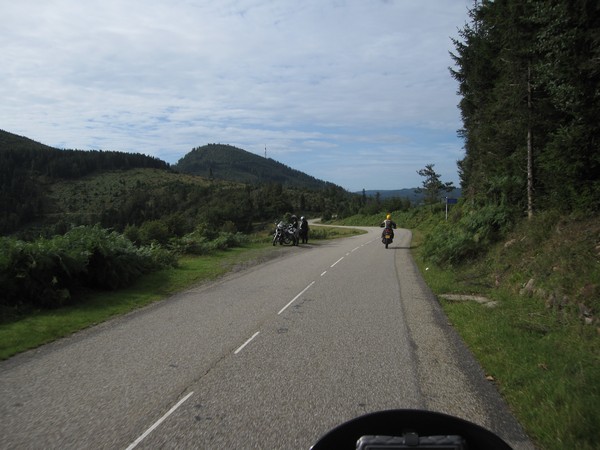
528 73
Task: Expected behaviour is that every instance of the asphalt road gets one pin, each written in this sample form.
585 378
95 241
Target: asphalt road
272 356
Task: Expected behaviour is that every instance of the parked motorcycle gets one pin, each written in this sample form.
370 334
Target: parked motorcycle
409 429
285 234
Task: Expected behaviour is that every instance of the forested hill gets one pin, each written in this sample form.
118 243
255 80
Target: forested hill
28 169
20 155
227 162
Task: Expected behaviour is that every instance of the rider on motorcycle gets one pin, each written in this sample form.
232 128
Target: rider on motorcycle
388 223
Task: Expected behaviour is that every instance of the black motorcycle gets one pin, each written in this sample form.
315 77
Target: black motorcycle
285 234
387 237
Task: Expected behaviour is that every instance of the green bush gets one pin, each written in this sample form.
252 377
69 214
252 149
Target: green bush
154 231
114 260
44 273
475 230
39 274
197 243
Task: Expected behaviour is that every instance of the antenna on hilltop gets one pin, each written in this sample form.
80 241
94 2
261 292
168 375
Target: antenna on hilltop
265 151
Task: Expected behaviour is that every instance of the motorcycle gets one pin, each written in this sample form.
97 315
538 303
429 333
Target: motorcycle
285 234
388 233
409 429
386 236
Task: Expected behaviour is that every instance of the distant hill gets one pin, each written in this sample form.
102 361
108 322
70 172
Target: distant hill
226 162
410 194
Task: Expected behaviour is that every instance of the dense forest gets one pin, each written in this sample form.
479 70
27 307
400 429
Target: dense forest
529 78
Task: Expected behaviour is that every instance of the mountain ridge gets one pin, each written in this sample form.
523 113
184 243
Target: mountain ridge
228 162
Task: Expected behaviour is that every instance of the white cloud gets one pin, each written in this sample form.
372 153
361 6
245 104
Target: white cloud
311 80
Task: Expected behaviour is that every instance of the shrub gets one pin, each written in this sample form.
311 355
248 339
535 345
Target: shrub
472 234
197 243
43 273
154 231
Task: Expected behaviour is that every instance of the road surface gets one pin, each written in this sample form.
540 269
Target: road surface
269 357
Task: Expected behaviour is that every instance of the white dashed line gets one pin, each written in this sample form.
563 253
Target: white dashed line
158 422
294 299
246 343
337 261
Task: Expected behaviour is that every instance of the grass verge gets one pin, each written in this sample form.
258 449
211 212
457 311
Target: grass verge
544 360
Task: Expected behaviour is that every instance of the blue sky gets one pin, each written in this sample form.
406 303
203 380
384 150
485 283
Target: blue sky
356 92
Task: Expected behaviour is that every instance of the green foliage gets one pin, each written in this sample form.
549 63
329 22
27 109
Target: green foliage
432 185
205 241
154 231
469 233
529 68
44 273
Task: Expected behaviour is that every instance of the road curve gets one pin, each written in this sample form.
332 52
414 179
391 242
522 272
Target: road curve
269 357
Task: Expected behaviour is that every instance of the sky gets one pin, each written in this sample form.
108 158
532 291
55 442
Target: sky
354 92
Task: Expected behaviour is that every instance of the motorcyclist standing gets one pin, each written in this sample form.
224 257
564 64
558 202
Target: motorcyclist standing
304 230
389 224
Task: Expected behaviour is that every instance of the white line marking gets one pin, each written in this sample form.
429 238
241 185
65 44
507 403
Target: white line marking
354 249
337 261
246 343
158 422
294 299
323 273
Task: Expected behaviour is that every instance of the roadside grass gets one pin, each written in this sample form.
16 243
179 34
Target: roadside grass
43 326
39 327
543 358
323 233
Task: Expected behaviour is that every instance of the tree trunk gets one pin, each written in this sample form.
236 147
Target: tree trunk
529 148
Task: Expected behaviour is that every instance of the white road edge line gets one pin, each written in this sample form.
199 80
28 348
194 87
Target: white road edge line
294 299
159 421
337 261
246 343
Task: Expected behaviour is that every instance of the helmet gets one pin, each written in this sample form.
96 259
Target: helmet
388 217
302 218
